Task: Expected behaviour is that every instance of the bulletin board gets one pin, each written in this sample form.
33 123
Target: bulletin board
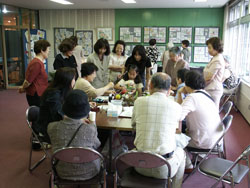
201 54
85 39
130 34
106 33
59 35
202 34
178 34
190 50
158 33
161 50
129 49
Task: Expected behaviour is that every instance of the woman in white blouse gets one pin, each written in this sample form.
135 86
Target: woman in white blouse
101 59
214 71
117 61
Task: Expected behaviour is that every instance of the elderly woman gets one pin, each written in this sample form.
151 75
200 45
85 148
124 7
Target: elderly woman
36 78
214 71
174 64
88 72
75 108
66 58
117 61
165 56
101 59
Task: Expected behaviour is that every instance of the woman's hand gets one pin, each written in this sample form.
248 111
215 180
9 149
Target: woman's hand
183 90
92 104
86 121
21 89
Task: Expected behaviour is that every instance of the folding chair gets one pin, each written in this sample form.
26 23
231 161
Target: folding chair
227 171
226 123
129 178
229 93
77 155
32 114
225 109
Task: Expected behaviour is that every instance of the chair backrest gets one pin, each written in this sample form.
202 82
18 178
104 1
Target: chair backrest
32 113
76 155
227 122
140 159
226 108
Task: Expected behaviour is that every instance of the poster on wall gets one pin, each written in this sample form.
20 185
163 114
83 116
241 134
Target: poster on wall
59 35
106 33
178 34
202 34
129 49
161 50
85 39
201 54
130 34
158 33
35 35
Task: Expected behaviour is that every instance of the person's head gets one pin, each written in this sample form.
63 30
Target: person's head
185 43
175 53
76 104
152 42
160 82
133 74
42 47
181 75
139 53
88 71
119 48
214 45
102 47
66 47
194 81
170 45
64 80
74 40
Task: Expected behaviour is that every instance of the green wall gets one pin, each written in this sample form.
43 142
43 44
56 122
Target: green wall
170 17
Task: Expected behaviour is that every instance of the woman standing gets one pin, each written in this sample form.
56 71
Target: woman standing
66 58
36 78
140 59
165 56
214 71
78 54
117 61
101 59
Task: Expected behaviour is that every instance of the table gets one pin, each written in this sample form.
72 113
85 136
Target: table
112 123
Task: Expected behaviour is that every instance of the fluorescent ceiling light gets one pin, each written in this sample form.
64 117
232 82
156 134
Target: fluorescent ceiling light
64 2
200 1
129 1
5 10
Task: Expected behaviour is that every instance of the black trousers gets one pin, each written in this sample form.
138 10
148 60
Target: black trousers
33 100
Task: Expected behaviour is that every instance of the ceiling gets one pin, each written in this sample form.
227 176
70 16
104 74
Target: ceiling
114 4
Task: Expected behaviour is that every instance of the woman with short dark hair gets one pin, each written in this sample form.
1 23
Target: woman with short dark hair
201 114
214 71
140 59
153 54
88 72
101 59
117 61
36 78
65 58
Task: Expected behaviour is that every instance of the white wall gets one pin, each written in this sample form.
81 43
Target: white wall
77 19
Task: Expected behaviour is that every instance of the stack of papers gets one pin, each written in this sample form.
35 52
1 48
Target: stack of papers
127 112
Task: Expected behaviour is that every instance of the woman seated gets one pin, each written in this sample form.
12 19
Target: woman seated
131 81
83 134
88 72
53 98
201 113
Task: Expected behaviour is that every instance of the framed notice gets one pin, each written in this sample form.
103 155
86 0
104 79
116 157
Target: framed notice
158 33
59 35
129 49
130 34
85 39
178 34
201 54
202 34
106 33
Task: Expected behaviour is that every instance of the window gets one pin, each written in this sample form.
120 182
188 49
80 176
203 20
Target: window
237 43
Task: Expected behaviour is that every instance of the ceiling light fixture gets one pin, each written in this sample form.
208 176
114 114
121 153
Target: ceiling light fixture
129 1
200 1
5 10
64 2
